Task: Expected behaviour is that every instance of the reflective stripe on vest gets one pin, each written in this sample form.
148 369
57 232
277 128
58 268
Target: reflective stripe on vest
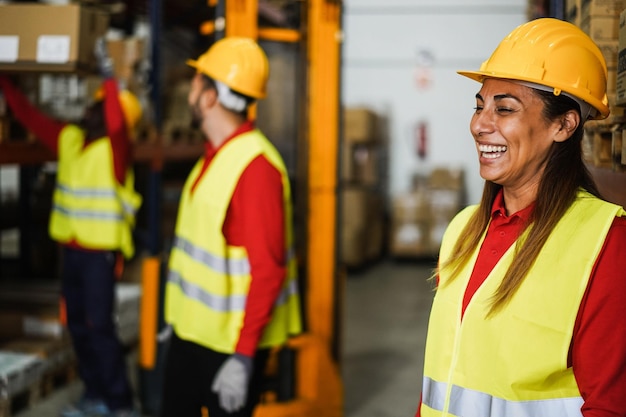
469 403
208 280
88 193
224 266
228 303
89 206
518 356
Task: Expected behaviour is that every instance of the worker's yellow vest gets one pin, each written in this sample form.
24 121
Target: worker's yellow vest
89 205
515 362
208 279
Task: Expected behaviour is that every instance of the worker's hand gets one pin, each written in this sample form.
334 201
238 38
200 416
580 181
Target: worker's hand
231 382
105 63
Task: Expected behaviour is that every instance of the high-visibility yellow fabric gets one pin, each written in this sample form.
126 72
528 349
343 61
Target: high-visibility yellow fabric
89 205
517 358
208 280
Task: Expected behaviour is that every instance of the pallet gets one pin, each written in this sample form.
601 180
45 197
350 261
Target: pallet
20 376
56 368
20 401
49 382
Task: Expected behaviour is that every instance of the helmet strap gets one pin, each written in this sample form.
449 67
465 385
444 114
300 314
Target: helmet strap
228 98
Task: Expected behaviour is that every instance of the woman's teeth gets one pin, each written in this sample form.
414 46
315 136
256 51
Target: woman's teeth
491 151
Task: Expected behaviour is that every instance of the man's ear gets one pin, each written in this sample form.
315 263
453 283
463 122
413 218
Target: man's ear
568 123
208 97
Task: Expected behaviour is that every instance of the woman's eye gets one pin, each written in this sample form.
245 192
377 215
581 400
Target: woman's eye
504 110
477 109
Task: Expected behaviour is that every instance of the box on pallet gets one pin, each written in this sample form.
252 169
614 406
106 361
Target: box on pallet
42 37
362 225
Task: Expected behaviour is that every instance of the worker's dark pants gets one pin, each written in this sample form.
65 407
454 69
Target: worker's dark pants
189 373
89 292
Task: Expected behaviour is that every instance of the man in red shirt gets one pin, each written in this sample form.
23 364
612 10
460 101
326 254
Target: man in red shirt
231 292
92 218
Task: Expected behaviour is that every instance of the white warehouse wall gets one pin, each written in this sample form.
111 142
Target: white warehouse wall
382 41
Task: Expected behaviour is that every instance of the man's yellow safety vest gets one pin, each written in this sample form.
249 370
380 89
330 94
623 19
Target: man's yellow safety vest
513 363
89 205
208 279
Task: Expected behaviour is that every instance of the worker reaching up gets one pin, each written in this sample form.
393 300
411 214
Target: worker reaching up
93 214
231 291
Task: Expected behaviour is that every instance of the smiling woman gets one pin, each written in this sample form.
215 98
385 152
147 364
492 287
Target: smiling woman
531 284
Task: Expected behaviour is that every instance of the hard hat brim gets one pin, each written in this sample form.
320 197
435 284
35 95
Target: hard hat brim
601 108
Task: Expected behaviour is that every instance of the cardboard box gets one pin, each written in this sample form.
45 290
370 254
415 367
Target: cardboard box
601 7
360 125
616 149
126 55
602 152
609 50
49 38
623 160
601 28
410 239
446 178
620 92
360 163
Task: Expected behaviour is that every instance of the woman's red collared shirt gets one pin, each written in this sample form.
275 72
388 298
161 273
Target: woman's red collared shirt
598 348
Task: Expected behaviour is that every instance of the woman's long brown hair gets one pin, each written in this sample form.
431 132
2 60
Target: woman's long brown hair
564 175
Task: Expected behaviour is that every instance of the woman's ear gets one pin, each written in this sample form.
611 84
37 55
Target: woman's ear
568 123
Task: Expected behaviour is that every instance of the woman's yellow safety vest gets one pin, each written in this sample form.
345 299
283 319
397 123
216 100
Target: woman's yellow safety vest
208 279
513 363
89 205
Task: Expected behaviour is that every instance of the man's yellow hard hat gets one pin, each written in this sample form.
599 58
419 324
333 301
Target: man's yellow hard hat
238 62
553 53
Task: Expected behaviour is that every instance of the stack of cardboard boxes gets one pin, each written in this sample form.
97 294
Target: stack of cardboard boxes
420 217
603 21
362 195
53 44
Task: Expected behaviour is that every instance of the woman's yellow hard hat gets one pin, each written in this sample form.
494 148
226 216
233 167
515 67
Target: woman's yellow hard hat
131 107
238 62
553 53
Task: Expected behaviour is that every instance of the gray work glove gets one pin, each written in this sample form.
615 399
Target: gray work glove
231 382
105 63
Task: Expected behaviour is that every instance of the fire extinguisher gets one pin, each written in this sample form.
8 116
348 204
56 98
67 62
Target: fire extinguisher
421 139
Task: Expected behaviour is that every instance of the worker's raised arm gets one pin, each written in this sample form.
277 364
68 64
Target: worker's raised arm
117 129
41 125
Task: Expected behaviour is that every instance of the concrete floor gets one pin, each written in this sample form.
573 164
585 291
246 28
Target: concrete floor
385 317
387 308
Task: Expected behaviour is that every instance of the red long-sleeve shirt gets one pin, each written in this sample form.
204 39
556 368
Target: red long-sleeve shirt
255 220
598 348
47 130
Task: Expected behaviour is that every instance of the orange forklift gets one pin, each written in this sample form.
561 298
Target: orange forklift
303 106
